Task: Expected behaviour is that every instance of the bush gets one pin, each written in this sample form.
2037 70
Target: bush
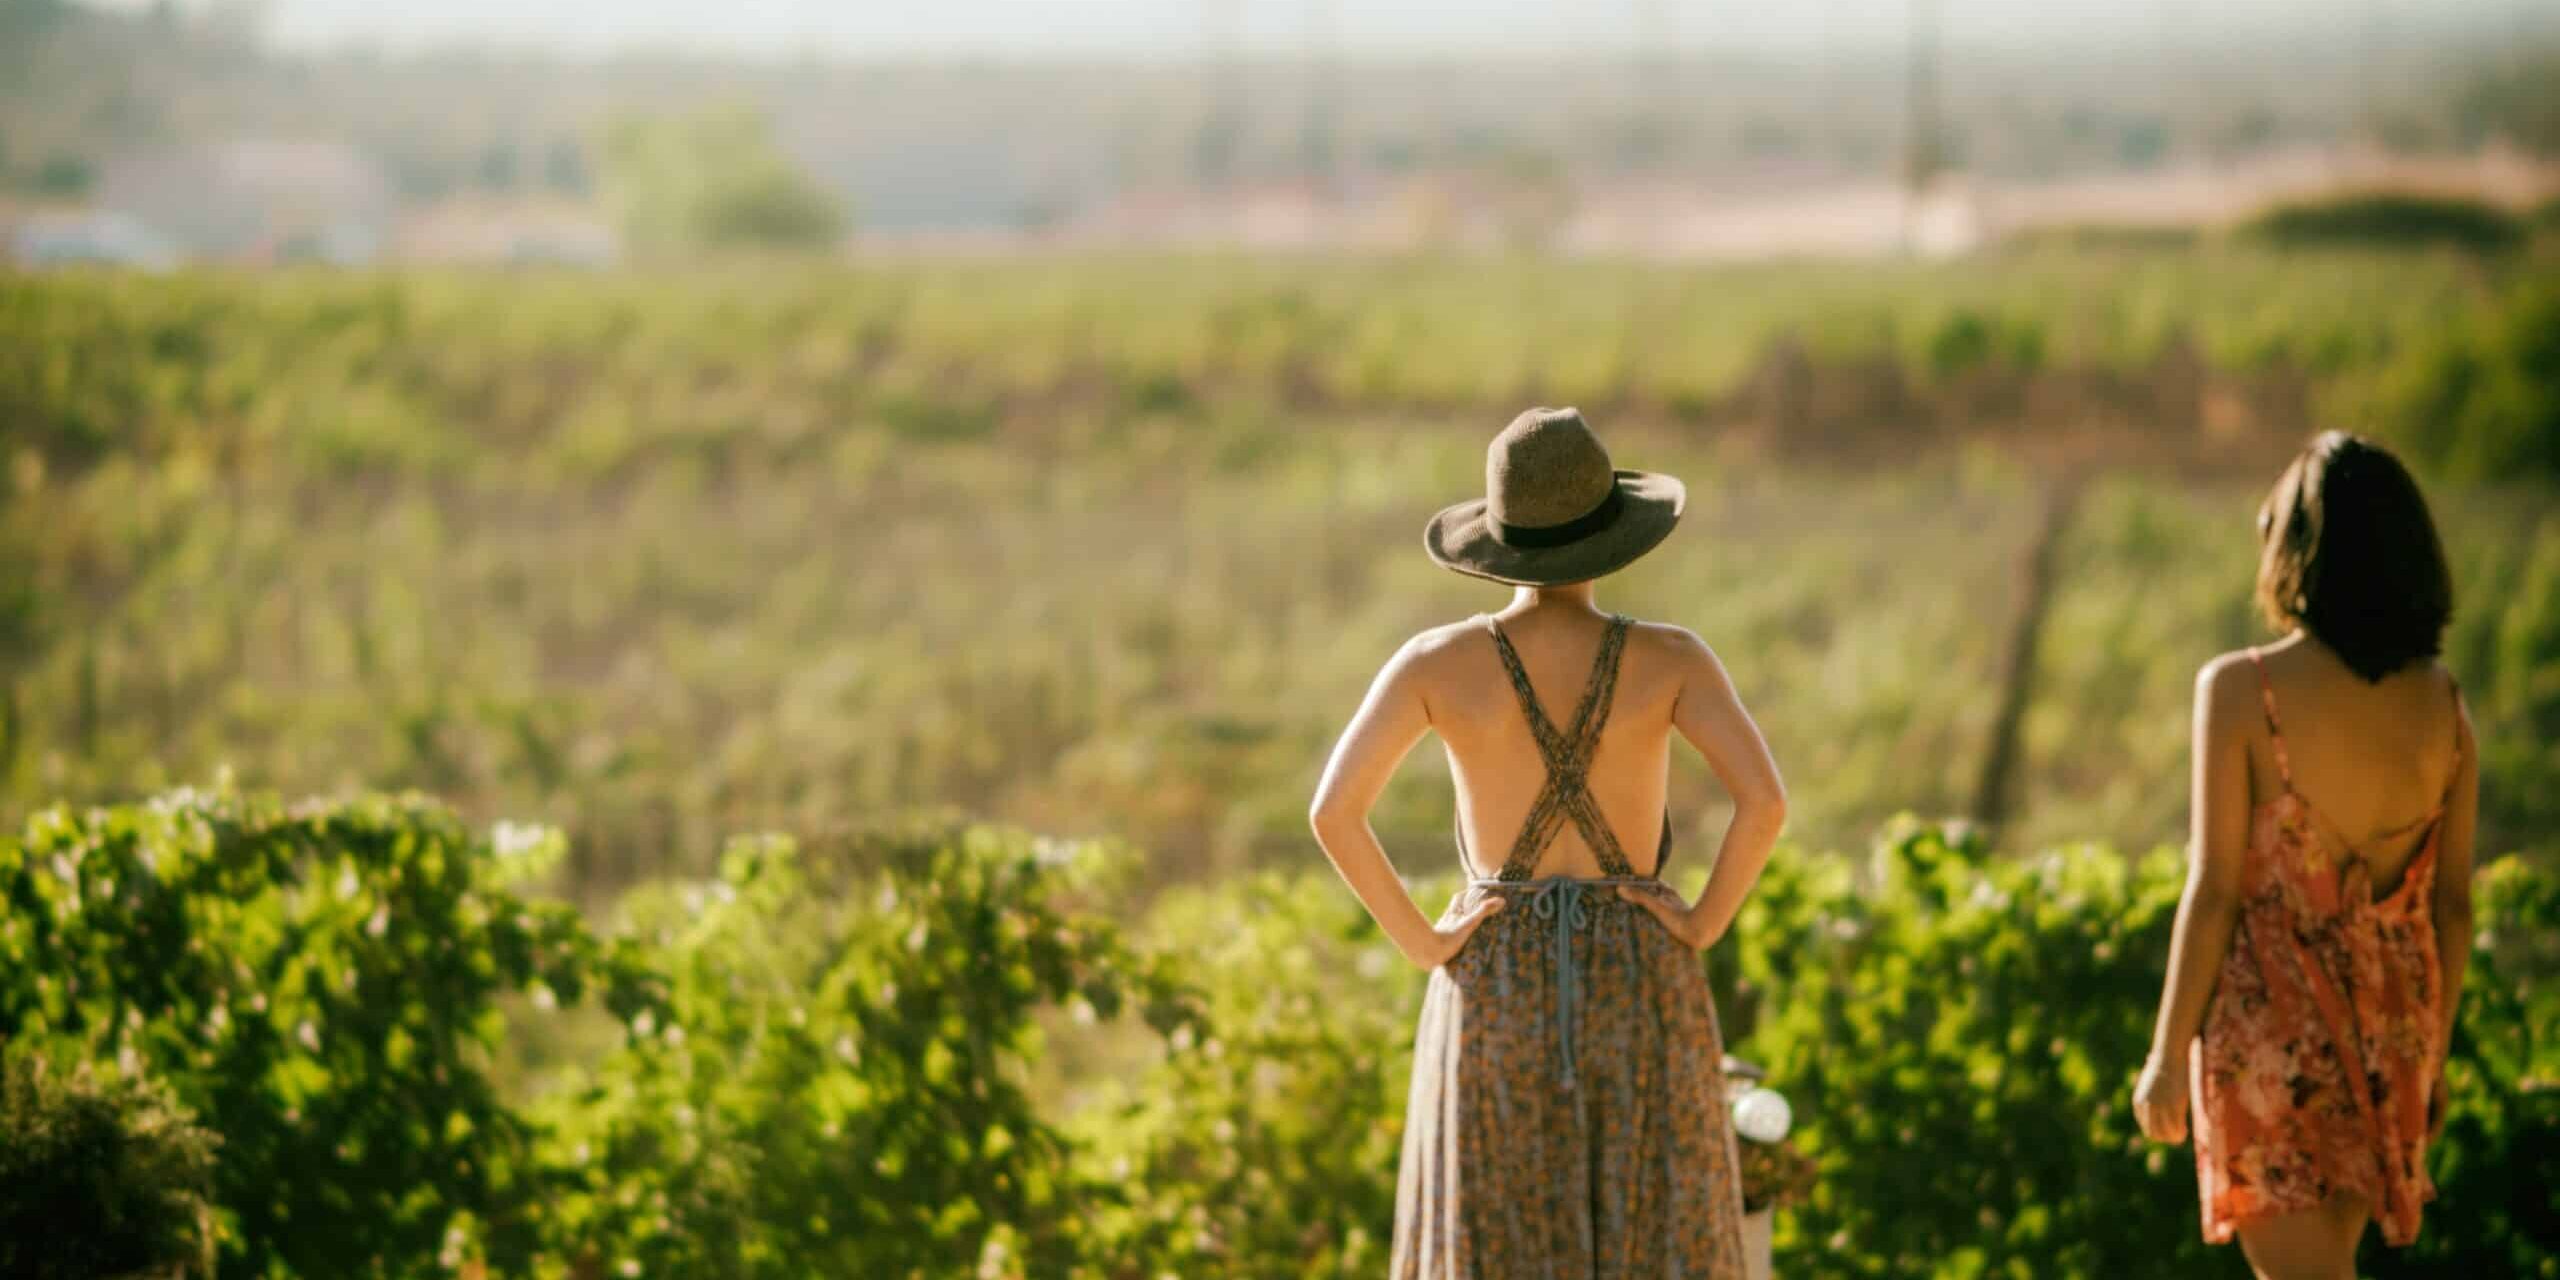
2499 1157
2390 219
100 1175
896 1053
2102 237
1965 340
1960 1036
319 984
1267 1147
713 179
840 1081
2482 400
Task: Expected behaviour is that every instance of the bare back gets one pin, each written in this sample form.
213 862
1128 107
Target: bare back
1600 815
2373 762
1496 761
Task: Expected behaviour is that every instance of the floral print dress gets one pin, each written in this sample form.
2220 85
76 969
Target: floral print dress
2312 1073
1567 1113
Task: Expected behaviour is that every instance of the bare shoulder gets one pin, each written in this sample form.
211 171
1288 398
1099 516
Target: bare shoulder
1675 650
1669 639
2441 676
2449 687
1429 653
1448 637
2227 685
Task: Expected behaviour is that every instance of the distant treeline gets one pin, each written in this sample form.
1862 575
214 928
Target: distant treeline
956 143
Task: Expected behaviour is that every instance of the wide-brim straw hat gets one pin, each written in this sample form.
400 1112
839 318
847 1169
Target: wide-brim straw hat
1554 509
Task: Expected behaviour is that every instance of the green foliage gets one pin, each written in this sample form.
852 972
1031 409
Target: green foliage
1960 1036
2499 1155
2390 218
2515 695
842 1079
101 1175
1962 1006
319 984
1268 1147
1966 340
2104 237
899 1053
2482 400
244 516
713 179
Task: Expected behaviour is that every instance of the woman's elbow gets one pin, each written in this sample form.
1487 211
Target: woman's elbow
1769 803
1326 814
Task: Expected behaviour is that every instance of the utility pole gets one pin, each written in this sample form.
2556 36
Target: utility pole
2166 72
2368 72
1656 81
1318 147
1832 80
1219 145
1920 147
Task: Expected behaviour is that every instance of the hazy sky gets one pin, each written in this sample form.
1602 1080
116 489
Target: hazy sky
1180 27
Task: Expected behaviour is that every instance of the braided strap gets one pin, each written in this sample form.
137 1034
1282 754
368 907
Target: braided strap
1567 793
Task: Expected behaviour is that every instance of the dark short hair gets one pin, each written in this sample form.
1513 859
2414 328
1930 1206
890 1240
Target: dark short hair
2348 553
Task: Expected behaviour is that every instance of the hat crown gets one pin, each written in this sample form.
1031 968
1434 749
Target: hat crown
1545 468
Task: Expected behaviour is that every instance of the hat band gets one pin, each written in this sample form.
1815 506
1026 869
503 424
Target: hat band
1535 536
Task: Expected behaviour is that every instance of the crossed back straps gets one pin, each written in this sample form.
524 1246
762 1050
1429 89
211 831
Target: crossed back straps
1567 793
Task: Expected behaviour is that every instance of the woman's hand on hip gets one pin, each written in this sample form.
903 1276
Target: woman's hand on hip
2160 1101
1687 924
1447 940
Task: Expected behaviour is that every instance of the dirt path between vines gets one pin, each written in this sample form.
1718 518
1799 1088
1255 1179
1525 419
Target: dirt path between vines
1995 793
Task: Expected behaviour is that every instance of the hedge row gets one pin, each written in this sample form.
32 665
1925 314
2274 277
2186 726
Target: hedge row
935 1049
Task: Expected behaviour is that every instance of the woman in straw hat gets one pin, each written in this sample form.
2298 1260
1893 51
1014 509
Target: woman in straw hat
1567 1109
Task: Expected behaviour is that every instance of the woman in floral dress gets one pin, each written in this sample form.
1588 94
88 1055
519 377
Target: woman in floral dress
2319 946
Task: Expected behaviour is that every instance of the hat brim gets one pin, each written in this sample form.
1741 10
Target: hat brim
1460 537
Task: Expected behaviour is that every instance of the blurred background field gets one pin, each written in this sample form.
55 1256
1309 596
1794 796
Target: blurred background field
1112 546
809 561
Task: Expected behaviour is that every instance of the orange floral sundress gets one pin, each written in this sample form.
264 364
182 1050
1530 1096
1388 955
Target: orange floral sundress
2312 1072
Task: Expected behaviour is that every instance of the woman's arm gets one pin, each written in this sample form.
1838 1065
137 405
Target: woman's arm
2451 904
1390 720
2218 838
1710 715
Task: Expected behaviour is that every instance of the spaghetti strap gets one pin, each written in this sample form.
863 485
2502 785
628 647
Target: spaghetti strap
2275 727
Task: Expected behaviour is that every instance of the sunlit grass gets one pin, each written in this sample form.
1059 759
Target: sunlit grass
1101 545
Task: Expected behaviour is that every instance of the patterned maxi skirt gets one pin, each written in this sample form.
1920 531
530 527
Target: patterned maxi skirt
1567 1114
